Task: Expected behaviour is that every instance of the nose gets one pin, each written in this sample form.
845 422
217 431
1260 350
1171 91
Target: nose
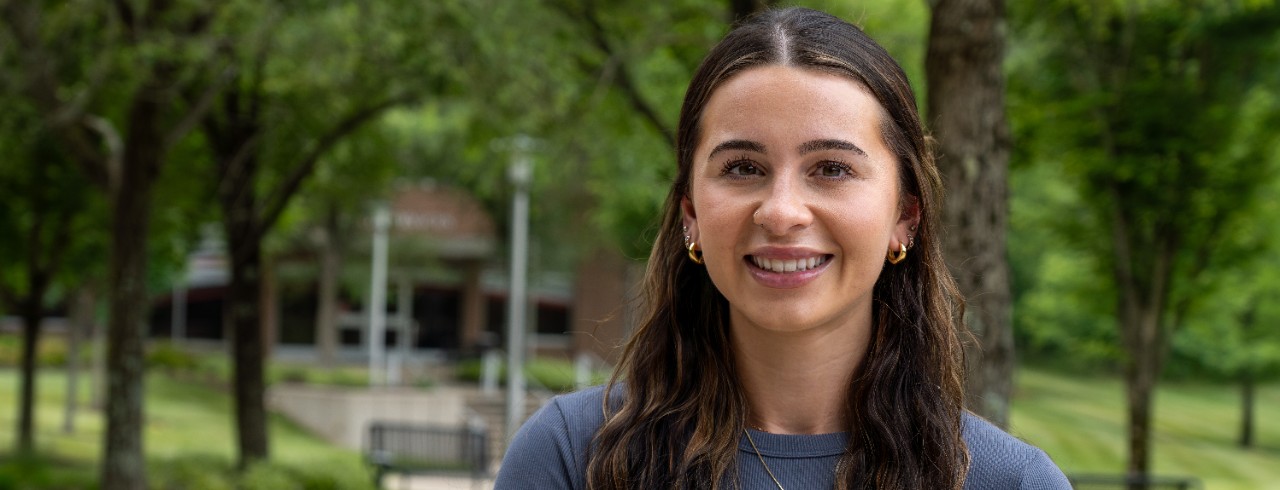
784 209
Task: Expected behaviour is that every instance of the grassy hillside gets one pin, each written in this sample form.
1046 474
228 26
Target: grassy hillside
1080 422
189 440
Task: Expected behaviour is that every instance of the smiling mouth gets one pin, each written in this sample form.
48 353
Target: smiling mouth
788 265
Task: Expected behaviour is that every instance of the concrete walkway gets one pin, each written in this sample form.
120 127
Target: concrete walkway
435 483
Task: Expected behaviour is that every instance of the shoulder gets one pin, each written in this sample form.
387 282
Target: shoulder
551 449
998 460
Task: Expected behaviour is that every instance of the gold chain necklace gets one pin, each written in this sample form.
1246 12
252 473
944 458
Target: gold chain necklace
766 465
762 463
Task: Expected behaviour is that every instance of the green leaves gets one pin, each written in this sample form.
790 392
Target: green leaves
1162 117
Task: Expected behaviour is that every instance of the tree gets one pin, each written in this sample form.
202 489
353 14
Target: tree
605 104
47 214
1142 100
270 129
966 112
1229 333
105 79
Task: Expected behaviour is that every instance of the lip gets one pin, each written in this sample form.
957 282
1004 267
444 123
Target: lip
785 280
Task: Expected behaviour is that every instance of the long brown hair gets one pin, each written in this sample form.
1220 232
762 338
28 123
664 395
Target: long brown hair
676 419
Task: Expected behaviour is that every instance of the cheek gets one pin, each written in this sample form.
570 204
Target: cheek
720 227
869 231
716 219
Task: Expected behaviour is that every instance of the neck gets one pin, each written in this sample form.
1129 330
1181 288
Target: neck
797 382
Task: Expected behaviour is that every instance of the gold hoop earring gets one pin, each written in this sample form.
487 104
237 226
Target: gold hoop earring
895 257
694 254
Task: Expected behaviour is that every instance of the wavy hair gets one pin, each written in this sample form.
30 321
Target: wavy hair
674 410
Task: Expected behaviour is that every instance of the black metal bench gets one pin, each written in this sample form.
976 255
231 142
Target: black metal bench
405 448
1135 481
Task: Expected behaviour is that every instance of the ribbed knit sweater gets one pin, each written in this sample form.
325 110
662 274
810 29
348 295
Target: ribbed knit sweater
551 452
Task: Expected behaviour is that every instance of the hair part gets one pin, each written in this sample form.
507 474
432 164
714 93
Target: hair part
905 402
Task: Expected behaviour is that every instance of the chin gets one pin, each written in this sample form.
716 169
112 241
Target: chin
783 321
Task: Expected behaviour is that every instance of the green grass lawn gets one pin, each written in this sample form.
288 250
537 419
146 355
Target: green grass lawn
189 430
1080 422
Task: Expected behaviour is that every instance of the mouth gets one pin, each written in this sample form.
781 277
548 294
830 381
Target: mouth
789 265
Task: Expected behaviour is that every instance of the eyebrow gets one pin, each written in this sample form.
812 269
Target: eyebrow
804 148
829 144
741 145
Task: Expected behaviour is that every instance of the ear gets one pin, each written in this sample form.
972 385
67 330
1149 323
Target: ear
908 223
689 218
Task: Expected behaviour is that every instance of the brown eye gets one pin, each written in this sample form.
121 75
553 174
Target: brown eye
741 168
834 170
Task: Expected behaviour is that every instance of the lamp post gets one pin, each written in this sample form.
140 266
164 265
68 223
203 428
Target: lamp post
520 173
378 295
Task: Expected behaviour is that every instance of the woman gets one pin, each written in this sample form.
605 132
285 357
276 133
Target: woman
801 328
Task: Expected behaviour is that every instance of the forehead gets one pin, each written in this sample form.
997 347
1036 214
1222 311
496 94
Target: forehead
790 101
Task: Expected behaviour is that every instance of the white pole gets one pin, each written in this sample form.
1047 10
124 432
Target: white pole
378 295
490 362
520 173
581 371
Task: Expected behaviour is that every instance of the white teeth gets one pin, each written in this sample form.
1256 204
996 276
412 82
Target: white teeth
777 265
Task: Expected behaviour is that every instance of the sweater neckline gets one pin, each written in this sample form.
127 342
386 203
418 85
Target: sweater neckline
795 445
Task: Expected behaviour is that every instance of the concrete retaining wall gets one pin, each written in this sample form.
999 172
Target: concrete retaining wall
342 415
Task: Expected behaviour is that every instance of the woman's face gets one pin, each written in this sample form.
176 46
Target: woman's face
794 199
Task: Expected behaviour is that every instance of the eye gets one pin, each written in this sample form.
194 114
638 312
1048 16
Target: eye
741 167
834 170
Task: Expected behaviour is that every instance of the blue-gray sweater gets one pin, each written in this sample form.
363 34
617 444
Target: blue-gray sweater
550 452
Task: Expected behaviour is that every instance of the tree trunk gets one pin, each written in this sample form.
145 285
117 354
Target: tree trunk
243 317
97 366
1248 323
327 307
967 111
31 316
81 321
124 464
234 134
124 467
1143 293
1140 379
1247 384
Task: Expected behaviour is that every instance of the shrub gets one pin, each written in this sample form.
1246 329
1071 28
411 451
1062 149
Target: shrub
171 359
553 374
469 370
209 472
51 351
35 472
216 369
192 472
288 374
354 377
312 375
267 476
345 475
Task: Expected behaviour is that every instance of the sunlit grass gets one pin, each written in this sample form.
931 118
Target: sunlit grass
1080 422
185 420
